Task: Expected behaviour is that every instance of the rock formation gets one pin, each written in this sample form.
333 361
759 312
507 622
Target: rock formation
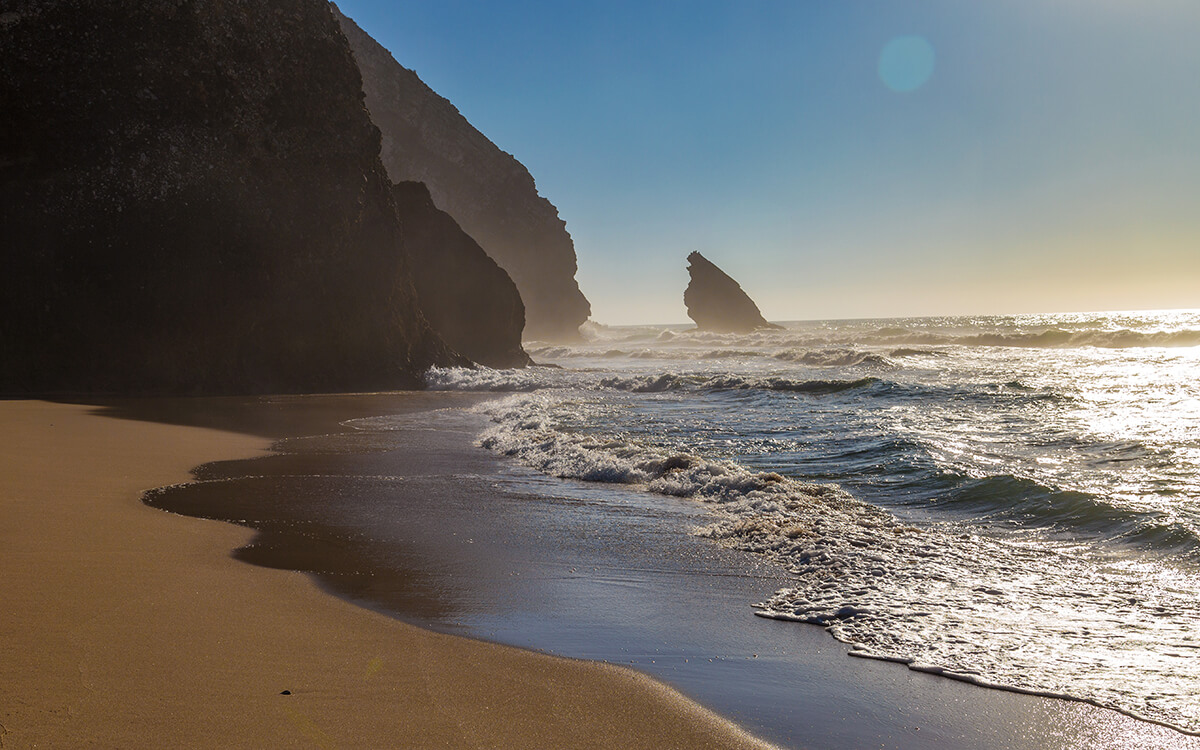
468 299
192 201
717 303
487 191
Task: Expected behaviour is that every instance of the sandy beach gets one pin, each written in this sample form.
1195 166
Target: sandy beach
403 513
123 626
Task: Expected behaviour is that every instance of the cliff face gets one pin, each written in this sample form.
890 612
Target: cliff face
192 201
488 192
717 303
468 299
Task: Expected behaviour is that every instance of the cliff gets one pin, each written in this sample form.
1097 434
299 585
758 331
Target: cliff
466 297
193 202
716 302
487 191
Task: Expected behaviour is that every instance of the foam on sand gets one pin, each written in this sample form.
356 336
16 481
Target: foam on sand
945 598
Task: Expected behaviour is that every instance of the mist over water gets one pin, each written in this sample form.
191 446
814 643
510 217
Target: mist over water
1013 501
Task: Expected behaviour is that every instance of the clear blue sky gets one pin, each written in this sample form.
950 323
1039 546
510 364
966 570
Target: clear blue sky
1008 156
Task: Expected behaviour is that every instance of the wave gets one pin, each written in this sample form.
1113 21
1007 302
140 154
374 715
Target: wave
527 380
1049 338
833 358
792 386
812 357
831 346
952 598
1059 338
728 354
653 383
718 383
536 379
486 379
904 352
551 351
525 428
1025 502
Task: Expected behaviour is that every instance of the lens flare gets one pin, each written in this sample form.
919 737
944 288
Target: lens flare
906 63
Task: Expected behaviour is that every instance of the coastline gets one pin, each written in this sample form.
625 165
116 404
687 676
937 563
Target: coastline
126 626
457 539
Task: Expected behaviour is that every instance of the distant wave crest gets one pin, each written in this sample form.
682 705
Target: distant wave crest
836 347
833 358
1049 338
532 379
729 382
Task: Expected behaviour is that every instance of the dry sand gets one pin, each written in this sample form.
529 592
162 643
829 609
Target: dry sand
123 626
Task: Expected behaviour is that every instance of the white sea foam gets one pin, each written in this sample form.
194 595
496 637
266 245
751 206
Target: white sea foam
1033 481
515 381
833 357
945 598
487 379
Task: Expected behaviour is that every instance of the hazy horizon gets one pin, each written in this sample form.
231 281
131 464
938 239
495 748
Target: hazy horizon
688 323
858 160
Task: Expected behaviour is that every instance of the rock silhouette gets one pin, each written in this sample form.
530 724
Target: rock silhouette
716 302
193 202
466 297
488 192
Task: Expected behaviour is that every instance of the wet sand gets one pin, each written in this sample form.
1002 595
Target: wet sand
123 626
418 523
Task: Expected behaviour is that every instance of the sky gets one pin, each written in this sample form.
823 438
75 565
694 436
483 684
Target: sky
842 159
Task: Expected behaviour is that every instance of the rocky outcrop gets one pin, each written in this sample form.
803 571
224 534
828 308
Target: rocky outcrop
487 191
717 303
468 299
192 201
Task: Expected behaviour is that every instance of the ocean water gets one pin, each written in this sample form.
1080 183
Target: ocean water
1013 501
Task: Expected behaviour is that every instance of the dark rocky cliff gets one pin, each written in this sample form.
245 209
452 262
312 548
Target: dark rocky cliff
192 201
468 299
487 191
716 302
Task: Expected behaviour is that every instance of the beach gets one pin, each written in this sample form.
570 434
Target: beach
124 626
785 376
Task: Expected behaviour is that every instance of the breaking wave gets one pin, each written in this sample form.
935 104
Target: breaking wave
516 381
1023 508
1019 501
1058 338
833 358
673 382
485 379
951 598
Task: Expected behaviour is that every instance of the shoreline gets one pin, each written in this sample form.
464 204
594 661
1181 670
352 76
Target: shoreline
489 549
346 658
123 626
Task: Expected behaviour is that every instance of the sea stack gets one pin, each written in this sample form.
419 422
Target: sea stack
468 299
488 192
717 303
193 202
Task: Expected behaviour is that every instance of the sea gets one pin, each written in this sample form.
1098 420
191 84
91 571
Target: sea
1012 501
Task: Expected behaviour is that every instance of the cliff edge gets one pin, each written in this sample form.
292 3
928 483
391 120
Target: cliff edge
716 302
468 299
488 192
193 202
